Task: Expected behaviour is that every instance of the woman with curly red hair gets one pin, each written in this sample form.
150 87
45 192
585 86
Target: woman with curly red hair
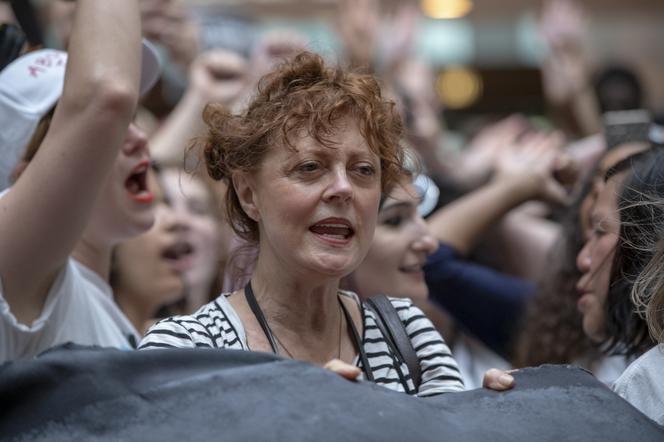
306 164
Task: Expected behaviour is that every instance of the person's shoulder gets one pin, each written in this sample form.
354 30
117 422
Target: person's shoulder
215 311
640 372
406 309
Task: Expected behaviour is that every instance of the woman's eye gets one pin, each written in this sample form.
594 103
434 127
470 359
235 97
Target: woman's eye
366 170
309 166
393 221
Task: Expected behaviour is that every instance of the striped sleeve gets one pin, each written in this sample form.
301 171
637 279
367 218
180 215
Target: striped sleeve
173 332
440 373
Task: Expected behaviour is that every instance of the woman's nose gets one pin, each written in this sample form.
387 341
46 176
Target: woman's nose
340 187
136 141
584 258
426 242
173 219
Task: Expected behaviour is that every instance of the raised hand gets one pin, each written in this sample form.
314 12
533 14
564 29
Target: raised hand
479 159
358 25
538 164
219 76
564 28
169 23
274 47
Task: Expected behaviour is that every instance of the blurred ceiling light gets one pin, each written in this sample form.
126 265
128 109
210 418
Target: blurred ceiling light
459 87
446 8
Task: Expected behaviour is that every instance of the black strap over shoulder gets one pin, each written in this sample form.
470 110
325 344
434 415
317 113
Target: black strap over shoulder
389 323
258 313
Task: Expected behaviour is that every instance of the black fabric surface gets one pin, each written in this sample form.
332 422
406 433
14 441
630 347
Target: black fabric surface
77 393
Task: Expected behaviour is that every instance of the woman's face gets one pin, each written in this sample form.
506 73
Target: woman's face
596 257
190 197
316 206
401 245
148 266
124 207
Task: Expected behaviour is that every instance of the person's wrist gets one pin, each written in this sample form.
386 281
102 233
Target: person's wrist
521 187
196 96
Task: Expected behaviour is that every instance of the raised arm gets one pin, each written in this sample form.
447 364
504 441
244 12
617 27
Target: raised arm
565 71
218 76
43 215
525 172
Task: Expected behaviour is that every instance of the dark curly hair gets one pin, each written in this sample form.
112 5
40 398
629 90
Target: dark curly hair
301 94
552 331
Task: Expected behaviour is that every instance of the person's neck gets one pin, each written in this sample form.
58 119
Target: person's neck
197 295
95 255
296 302
138 314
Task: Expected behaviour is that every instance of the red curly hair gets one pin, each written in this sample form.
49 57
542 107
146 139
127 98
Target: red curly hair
301 94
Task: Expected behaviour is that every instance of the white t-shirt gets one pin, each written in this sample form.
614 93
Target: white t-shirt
79 308
642 384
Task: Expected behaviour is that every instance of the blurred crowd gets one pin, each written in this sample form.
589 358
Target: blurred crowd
525 243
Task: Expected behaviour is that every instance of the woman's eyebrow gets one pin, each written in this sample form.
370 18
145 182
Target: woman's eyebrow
397 204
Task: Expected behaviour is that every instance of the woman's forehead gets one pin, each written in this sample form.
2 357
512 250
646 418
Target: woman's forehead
403 193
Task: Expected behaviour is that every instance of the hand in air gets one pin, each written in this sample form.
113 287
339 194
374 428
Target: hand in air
536 162
480 158
274 47
358 24
219 75
563 27
170 23
343 369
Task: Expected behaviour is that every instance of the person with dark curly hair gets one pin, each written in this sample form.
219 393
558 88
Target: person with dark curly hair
552 331
306 164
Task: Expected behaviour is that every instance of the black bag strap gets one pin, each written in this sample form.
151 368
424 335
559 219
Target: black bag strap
388 321
258 313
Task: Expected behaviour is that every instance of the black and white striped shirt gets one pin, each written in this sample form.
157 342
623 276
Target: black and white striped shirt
217 325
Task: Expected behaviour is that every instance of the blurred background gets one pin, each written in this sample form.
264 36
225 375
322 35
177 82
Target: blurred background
486 53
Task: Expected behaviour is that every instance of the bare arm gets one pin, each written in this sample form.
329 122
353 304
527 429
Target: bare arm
217 76
566 77
42 217
526 173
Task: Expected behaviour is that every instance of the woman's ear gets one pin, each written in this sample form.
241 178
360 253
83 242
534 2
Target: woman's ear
244 186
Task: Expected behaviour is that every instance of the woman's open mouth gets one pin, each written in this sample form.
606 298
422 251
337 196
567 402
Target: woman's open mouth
179 255
334 230
137 184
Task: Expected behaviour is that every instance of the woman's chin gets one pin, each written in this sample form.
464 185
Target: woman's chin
333 268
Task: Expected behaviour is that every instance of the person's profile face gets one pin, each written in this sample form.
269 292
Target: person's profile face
596 258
